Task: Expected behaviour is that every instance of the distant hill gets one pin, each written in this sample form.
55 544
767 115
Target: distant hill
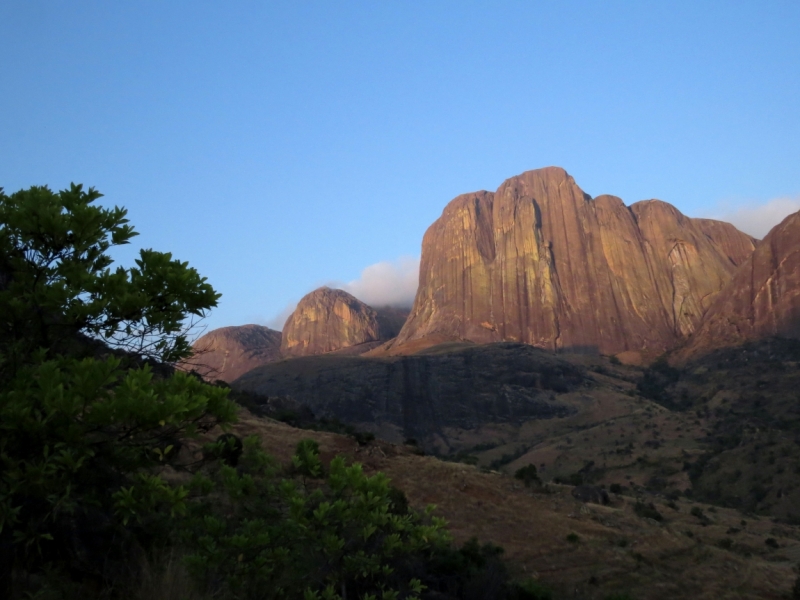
229 352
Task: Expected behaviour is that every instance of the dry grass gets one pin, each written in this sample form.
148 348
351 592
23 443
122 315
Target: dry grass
163 577
617 551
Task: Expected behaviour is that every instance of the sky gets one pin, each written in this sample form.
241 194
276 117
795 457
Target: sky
279 146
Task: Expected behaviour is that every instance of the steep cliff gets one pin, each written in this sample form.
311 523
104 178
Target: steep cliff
327 320
737 245
761 300
541 262
229 352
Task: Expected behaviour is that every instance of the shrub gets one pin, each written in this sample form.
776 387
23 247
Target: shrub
531 589
308 535
528 475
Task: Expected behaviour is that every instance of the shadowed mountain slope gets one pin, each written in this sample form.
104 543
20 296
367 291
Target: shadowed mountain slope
420 396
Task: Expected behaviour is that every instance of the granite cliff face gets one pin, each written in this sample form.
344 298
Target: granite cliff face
541 262
229 352
737 245
327 320
761 300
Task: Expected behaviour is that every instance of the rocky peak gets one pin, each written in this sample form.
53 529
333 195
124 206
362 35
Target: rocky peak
327 320
229 352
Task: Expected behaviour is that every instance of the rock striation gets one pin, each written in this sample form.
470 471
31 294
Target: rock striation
328 320
541 262
737 245
761 300
229 352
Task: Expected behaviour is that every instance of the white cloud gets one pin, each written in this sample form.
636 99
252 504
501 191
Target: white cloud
387 283
757 220
392 283
278 321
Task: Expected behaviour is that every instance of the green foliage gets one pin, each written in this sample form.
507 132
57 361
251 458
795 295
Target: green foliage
82 433
83 429
56 280
344 534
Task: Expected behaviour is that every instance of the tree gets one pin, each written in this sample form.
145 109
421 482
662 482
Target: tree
56 281
334 536
84 419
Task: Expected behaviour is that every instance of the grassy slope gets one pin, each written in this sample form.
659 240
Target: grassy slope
617 550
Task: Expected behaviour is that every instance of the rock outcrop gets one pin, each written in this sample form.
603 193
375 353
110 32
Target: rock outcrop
327 320
541 262
761 300
230 352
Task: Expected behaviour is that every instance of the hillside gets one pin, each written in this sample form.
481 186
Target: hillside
716 556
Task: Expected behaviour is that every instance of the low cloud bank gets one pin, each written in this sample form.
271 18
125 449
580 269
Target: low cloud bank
387 283
759 219
278 321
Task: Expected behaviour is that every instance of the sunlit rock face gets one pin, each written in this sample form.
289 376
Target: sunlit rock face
327 320
761 300
541 262
229 352
736 245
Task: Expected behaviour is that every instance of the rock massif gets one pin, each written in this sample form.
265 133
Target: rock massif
229 352
761 300
327 320
541 262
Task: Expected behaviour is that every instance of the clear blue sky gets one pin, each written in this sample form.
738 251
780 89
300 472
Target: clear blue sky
277 146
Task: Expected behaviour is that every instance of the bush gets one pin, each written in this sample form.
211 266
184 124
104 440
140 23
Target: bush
532 589
309 534
528 475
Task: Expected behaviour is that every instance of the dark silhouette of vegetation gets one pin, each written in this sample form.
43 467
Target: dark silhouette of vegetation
647 511
83 422
528 475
